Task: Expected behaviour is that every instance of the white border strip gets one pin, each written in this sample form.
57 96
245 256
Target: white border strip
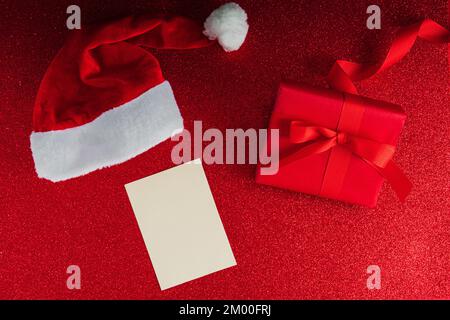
114 137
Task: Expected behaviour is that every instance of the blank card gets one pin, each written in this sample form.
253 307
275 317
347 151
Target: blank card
180 224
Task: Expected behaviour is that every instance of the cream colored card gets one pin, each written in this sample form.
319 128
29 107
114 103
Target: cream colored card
180 224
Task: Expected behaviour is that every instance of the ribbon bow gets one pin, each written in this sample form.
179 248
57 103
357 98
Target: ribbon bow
315 140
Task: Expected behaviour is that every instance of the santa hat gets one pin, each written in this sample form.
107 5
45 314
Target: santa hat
104 100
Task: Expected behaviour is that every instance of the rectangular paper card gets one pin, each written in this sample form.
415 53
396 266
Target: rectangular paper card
180 224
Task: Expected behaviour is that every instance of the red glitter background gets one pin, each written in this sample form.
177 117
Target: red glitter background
287 245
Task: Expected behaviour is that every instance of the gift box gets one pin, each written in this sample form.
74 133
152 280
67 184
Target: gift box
335 144
338 144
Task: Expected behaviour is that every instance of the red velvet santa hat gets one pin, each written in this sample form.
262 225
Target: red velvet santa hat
104 100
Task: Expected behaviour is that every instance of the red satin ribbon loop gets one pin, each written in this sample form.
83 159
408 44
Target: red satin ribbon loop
299 133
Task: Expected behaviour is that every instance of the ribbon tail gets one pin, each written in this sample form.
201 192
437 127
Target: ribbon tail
344 73
340 80
397 179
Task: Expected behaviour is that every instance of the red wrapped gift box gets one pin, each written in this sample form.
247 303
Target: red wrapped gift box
338 144
334 144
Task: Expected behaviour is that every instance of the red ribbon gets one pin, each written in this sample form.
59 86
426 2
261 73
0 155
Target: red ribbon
315 140
344 73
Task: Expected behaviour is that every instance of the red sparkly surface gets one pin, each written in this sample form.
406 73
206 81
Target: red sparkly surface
287 245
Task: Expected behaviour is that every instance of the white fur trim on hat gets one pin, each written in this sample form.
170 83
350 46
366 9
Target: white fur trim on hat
228 24
114 137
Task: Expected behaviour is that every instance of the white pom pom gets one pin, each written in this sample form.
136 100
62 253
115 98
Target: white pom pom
228 24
